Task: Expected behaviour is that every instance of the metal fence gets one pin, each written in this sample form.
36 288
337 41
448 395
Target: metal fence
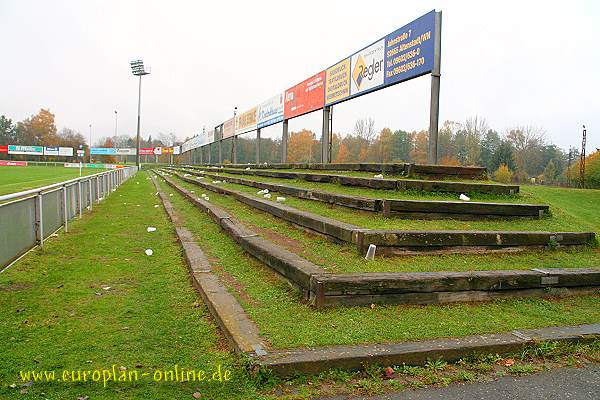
27 218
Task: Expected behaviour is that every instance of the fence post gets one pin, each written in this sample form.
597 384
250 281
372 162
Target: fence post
80 199
64 207
90 197
97 190
39 224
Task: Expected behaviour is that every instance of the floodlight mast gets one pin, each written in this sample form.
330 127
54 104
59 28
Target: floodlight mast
137 68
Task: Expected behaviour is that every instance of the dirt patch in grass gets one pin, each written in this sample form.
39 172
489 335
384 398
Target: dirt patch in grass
290 244
14 287
234 284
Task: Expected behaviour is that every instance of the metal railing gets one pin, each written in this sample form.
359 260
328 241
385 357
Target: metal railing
28 218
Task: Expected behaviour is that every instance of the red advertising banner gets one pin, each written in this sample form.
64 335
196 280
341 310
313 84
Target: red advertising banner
146 151
305 97
3 149
4 163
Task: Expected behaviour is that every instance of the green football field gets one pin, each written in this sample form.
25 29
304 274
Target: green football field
16 179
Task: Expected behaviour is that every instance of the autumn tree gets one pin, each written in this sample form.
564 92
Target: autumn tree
301 146
343 155
38 130
419 152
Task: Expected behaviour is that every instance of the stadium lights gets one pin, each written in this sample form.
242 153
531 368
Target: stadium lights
138 69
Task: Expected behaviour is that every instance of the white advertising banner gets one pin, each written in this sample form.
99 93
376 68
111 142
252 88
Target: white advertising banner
65 151
126 152
367 68
270 111
50 151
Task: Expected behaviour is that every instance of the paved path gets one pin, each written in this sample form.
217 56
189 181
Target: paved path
558 384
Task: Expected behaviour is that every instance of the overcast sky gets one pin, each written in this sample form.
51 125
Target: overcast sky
514 63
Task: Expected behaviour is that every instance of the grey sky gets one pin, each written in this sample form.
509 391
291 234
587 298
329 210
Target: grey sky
514 63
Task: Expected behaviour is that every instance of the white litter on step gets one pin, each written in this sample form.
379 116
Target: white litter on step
156 194
170 194
216 182
378 176
124 204
247 168
156 206
263 191
371 253
280 199
149 252
150 229
137 205
206 198
203 194
191 191
464 197
267 196
186 175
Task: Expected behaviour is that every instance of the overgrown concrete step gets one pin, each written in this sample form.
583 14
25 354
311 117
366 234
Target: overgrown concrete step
286 363
407 169
294 268
393 207
382 183
356 202
402 242
423 209
387 240
328 226
448 287
241 332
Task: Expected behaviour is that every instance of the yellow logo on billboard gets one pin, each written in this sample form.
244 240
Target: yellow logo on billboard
358 73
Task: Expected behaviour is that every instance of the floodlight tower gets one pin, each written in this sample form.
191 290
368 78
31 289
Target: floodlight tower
137 68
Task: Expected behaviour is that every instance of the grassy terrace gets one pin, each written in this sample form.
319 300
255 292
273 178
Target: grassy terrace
570 210
17 179
344 258
362 174
287 322
377 193
57 313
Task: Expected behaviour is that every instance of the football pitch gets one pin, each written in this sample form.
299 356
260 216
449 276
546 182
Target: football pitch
16 179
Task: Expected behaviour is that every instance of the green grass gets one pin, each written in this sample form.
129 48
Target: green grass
17 179
344 257
364 174
376 193
288 322
151 317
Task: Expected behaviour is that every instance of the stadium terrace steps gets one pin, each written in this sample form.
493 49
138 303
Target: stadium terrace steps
420 209
379 183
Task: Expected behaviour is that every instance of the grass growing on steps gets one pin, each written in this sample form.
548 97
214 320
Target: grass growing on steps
345 258
287 322
57 315
375 193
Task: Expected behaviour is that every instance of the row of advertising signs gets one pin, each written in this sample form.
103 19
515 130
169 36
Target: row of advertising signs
404 54
144 151
68 151
37 150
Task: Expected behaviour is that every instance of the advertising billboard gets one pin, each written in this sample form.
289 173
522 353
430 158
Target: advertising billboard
409 51
401 55
65 151
228 128
337 84
31 150
305 97
177 150
270 111
146 151
3 149
104 151
246 121
50 151
126 152
366 68
4 163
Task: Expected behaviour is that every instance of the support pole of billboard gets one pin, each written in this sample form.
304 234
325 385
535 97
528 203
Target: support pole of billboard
434 111
221 151
258 146
209 153
234 150
284 141
201 155
325 149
